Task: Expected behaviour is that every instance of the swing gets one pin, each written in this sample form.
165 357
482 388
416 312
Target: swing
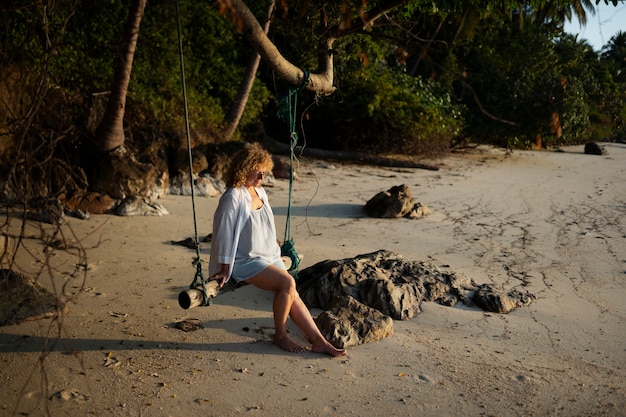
287 110
201 292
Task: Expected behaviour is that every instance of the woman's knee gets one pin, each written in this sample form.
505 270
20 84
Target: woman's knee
287 283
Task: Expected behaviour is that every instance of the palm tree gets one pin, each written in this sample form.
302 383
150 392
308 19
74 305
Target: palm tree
110 131
559 13
614 52
231 121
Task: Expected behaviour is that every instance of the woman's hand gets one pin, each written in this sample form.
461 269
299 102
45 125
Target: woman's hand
221 277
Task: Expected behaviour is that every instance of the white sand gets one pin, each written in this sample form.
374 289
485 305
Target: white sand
552 223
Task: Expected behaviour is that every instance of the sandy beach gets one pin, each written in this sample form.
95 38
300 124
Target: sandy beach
549 222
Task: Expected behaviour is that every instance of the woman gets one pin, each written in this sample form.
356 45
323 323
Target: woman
244 248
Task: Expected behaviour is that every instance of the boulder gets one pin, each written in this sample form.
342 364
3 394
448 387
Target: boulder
592 148
121 174
204 185
94 203
45 210
137 206
180 161
394 203
396 287
497 300
22 298
219 155
384 281
349 323
282 168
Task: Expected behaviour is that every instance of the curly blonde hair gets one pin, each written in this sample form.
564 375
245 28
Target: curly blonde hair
252 157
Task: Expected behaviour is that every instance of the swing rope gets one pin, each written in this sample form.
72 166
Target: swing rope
198 279
287 111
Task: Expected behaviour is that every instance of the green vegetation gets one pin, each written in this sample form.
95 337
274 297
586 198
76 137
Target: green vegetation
431 78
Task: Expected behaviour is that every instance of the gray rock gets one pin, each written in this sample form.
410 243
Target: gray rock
592 148
384 281
349 323
22 298
396 287
204 185
394 203
497 300
136 206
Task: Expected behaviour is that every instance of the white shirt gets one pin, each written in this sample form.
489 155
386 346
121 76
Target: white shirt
232 213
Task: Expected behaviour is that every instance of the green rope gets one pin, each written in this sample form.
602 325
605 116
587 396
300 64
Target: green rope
198 279
287 111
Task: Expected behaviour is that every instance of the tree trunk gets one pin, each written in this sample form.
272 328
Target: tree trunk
236 110
321 81
110 131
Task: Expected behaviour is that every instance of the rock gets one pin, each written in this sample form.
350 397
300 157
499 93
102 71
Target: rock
394 203
219 155
136 206
384 281
350 323
94 203
592 148
189 325
121 174
204 185
45 210
180 161
282 168
21 299
496 300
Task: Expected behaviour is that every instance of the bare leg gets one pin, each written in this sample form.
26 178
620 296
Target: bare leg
302 317
287 303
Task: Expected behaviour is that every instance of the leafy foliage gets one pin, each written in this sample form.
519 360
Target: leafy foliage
389 111
428 75
539 87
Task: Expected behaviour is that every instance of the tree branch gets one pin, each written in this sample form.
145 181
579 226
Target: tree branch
321 81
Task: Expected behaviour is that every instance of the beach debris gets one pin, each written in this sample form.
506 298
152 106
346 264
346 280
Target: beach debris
385 281
348 322
22 298
396 202
496 300
189 242
592 148
189 325
110 361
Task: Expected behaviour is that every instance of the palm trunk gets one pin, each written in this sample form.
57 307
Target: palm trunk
236 110
110 131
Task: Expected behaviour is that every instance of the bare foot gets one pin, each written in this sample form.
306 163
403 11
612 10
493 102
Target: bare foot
324 346
285 343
